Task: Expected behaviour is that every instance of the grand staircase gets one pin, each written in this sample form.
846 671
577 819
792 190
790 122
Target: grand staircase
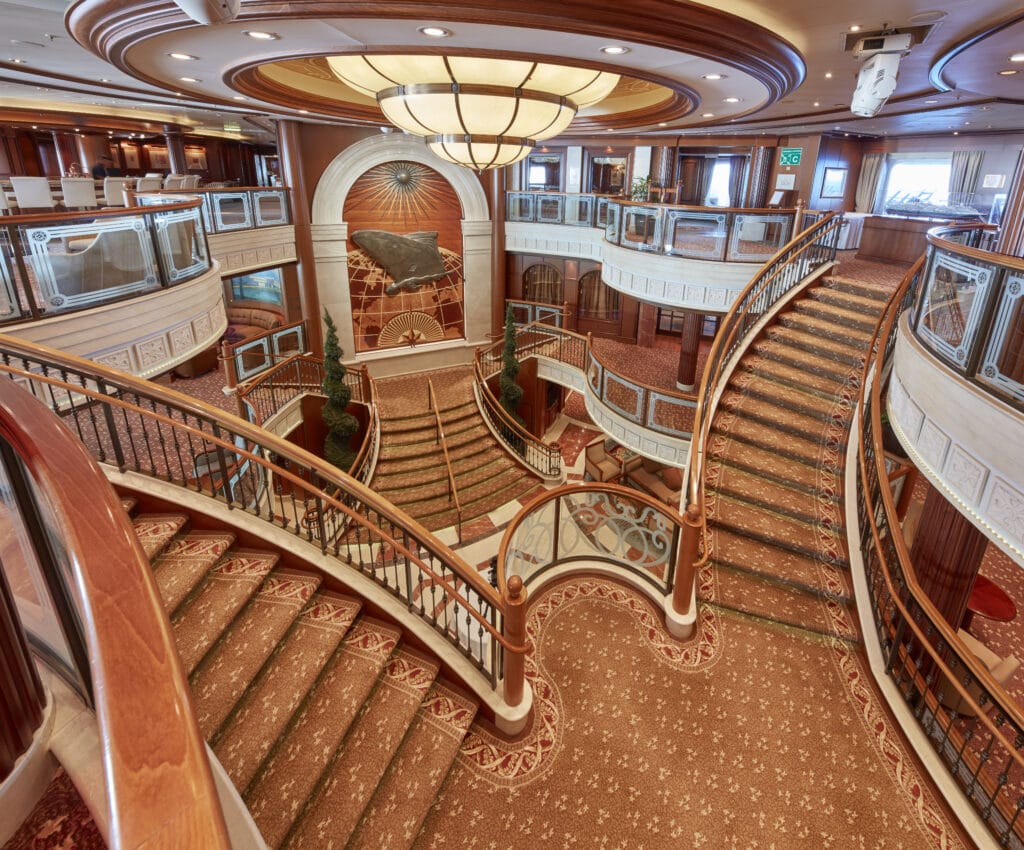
775 460
411 470
334 732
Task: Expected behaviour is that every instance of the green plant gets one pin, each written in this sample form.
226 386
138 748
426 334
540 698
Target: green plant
511 392
341 424
641 186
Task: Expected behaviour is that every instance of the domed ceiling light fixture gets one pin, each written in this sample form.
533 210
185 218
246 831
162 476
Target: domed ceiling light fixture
481 113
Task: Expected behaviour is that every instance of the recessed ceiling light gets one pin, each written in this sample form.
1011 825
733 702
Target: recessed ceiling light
303 112
188 79
261 35
240 97
104 80
931 100
607 129
708 115
1007 72
662 124
177 94
184 57
816 103
615 50
828 75
732 100
956 132
855 28
435 32
35 126
1017 57
713 76
18 61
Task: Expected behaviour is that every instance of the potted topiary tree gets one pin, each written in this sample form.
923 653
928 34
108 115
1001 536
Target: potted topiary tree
341 424
511 392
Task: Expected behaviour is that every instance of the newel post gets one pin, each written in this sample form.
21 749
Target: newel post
515 633
798 218
686 570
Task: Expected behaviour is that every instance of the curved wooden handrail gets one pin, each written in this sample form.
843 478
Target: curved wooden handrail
731 325
546 496
936 237
100 212
160 790
280 447
979 672
506 419
202 190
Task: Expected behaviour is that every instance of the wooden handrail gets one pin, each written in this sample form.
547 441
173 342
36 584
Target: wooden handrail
201 190
278 446
158 779
979 672
453 490
506 418
92 215
936 236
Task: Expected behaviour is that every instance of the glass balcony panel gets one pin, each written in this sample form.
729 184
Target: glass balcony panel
670 415
756 238
271 208
12 302
579 210
231 211
955 295
612 212
641 228
181 244
1002 366
551 209
602 212
520 206
698 235
623 396
89 262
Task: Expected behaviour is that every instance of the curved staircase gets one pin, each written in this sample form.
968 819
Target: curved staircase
334 732
775 458
410 468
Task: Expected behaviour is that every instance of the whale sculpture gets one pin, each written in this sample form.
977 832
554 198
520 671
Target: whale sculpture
412 259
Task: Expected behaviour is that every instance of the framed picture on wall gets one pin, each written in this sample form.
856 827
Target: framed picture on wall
834 184
195 159
131 157
158 159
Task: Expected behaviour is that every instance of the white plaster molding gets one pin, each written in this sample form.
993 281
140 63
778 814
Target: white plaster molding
558 240
147 335
245 250
960 437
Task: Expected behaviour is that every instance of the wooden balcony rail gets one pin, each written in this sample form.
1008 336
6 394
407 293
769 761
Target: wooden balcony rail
160 791
151 430
453 490
980 738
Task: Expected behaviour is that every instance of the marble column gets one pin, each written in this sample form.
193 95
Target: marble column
494 186
175 151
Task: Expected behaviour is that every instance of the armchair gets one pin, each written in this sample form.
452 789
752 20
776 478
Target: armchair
598 464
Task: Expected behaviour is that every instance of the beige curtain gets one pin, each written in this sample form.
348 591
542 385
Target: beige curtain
737 176
542 283
707 167
595 299
760 169
964 175
871 169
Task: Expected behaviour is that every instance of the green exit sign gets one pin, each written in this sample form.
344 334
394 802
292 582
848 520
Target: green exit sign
790 156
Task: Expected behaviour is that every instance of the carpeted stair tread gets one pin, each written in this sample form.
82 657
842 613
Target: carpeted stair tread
841 298
483 498
184 562
333 812
797 502
402 800
780 350
423 420
464 438
870 291
817 345
407 460
467 482
428 473
825 328
157 530
761 408
812 383
768 463
229 668
752 595
292 770
768 389
836 314
226 589
753 432
262 714
761 523
804 572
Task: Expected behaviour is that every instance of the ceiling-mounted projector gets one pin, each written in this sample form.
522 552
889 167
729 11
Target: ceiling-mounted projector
873 44
210 11
875 82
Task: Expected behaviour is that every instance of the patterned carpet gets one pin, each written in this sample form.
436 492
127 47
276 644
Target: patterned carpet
749 736
60 821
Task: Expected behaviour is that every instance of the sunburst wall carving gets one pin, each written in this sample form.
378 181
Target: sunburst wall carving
404 197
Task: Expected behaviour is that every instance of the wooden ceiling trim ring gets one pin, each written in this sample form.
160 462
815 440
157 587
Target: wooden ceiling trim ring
110 29
936 72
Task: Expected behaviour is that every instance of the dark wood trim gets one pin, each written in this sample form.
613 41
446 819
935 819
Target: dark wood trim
935 73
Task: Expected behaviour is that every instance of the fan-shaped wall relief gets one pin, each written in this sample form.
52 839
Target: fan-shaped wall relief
404 203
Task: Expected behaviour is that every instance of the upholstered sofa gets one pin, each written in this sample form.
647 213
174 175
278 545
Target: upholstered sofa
665 483
244 322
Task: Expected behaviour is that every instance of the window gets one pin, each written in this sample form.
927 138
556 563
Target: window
597 300
542 284
265 285
718 191
917 181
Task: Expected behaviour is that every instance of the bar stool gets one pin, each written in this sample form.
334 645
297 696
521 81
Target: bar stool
33 193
